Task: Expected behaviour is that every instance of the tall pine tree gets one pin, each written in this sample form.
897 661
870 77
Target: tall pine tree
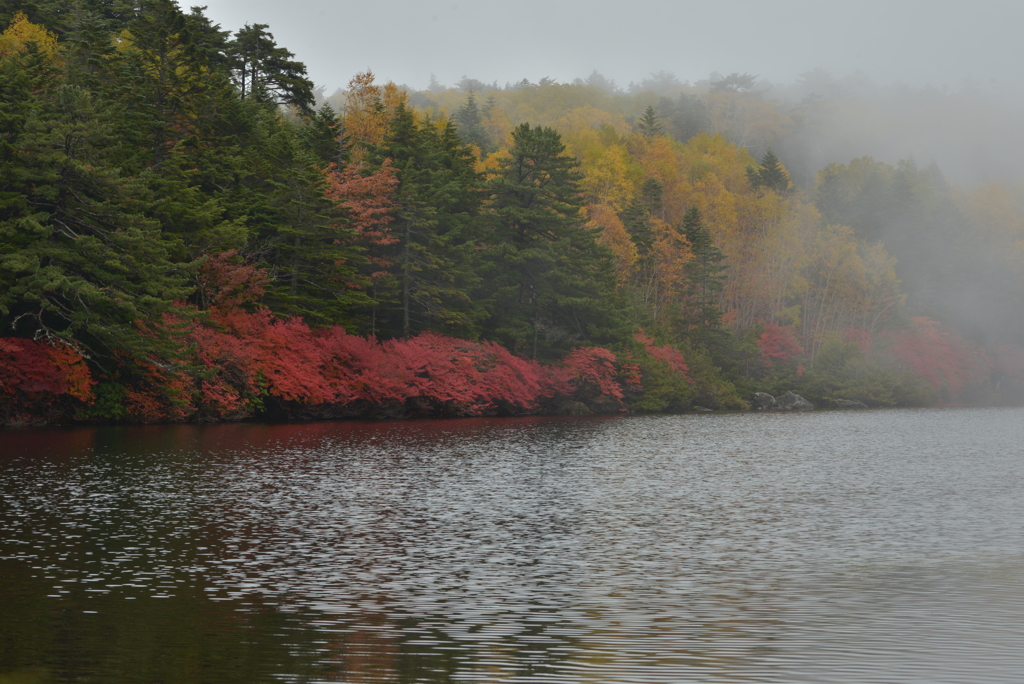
551 286
700 319
434 258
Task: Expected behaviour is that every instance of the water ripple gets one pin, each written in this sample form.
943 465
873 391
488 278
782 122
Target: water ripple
846 547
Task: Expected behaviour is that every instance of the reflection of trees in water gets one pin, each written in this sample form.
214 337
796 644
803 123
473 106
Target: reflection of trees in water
187 638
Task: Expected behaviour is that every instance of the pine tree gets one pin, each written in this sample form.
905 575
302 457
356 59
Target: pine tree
263 70
302 236
645 287
550 285
435 86
470 124
438 199
78 259
321 135
638 215
648 124
700 319
770 174
164 82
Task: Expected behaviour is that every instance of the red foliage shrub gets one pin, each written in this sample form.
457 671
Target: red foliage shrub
592 372
940 356
36 367
144 406
673 357
778 344
35 375
253 353
226 283
467 378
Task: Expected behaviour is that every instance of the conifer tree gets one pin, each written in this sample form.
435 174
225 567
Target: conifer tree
648 124
302 236
321 135
769 174
470 124
433 258
645 287
266 71
637 216
552 285
700 318
164 82
79 261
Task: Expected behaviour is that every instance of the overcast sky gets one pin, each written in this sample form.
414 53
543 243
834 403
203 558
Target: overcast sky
917 42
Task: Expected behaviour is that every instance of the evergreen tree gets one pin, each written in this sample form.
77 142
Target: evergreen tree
769 175
59 15
435 86
688 118
551 285
637 216
433 260
164 85
645 287
78 259
263 70
210 39
648 124
700 319
471 124
321 135
298 234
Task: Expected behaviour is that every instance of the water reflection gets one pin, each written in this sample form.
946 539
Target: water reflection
876 546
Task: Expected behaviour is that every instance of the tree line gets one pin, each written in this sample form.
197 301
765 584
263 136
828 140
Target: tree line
187 234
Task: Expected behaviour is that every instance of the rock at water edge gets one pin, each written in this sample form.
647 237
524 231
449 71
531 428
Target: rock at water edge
791 401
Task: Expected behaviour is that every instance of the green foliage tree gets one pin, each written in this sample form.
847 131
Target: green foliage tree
322 135
648 125
78 258
700 318
769 174
470 122
299 235
262 69
637 216
551 286
164 82
434 258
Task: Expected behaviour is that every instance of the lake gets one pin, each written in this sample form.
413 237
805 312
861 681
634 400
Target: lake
871 546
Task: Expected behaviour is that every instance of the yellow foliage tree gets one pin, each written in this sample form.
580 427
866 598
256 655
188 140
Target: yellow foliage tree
366 110
604 220
22 35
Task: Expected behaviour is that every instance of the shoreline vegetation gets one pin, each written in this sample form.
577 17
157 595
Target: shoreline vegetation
190 231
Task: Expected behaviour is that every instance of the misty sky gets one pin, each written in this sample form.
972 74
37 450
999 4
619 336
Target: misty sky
917 42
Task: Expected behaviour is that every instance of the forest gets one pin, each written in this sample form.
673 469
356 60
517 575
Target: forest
190 230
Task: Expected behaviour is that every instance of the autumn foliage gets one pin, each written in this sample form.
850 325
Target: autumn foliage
940 356
209 246
247 362
778 344
38 378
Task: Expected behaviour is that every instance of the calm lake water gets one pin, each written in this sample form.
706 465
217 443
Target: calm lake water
875 546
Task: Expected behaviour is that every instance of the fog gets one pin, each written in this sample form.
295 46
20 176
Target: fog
939 81
935 82
917 42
